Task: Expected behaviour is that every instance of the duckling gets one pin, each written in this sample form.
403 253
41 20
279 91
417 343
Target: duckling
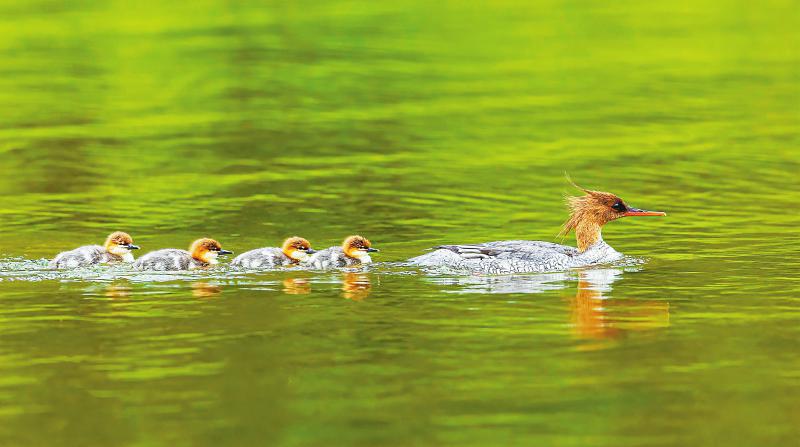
294 250
117 248
202 253
354 250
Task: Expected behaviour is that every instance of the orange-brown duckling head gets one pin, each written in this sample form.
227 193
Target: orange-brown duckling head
358 247
297 248
588 214
120 244
206 250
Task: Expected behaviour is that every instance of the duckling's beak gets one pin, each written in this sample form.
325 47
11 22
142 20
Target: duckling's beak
638 212
131 247
310 251
225 252
372 250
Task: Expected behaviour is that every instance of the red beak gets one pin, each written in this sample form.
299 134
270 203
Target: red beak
638 212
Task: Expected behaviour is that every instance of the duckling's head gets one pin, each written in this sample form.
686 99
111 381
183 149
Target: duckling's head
588 213
297 248
358 247
120 243
206 250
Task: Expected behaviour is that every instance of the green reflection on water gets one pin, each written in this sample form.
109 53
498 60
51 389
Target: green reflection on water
413 124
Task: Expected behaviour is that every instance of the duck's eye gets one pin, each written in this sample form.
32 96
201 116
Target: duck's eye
619 206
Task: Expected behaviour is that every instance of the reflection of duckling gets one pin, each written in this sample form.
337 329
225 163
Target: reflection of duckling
117 248
354 250
296 286
294 250
202 289
118 290
202 253
356 286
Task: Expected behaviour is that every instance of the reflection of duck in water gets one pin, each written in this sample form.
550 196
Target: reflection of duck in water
296 286
202 289
535 283
592 314
117 248
595 316
202 253
588 215
356 286
354 251
294 249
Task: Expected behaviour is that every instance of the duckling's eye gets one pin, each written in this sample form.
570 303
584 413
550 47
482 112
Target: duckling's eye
619 206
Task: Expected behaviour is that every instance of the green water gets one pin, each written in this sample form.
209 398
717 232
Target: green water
414 124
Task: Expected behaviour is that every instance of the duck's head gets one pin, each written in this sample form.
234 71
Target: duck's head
206 250
588 214
358 247
297 248
120 243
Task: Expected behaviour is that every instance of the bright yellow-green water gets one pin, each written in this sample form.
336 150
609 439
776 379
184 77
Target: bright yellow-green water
414 123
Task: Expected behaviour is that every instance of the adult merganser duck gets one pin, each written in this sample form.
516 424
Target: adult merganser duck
354 250
588 214
117 248
202 253
294 249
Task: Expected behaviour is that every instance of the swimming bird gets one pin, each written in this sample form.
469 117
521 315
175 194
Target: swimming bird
202 253
588 214
354 250
294 250
117 248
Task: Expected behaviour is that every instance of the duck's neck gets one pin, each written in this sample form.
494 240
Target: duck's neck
205 258
360 256
593 249
587 234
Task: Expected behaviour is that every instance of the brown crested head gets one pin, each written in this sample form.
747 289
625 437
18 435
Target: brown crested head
119 243
588 214
119 238
206 250
357 246
297 248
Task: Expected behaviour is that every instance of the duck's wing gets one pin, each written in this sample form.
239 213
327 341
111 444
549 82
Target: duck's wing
165 259
517 249
532 246
81 256
468 251
327 258
260 257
